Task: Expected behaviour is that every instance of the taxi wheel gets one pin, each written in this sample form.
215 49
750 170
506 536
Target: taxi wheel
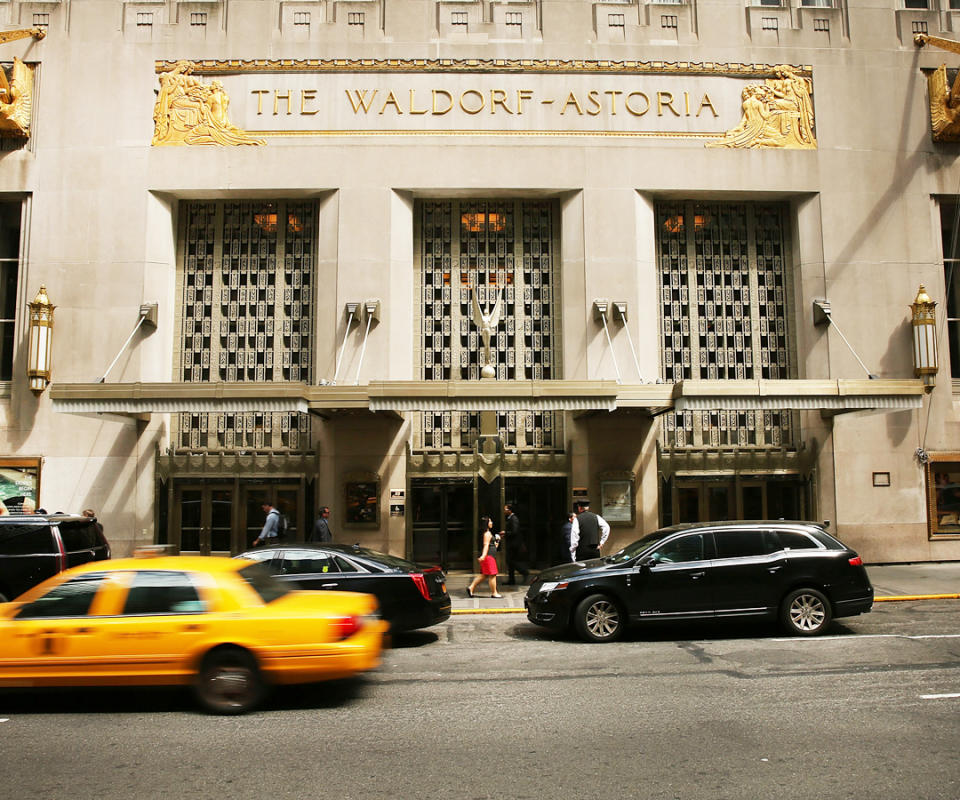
229 681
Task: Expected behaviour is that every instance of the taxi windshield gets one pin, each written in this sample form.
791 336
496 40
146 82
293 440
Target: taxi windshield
263 583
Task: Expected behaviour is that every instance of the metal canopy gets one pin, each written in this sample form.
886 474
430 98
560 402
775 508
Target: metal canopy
397 397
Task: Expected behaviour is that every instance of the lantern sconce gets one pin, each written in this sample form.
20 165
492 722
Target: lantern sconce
924 323
41 341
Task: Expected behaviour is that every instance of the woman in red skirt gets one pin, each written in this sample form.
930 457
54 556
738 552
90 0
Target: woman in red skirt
488 562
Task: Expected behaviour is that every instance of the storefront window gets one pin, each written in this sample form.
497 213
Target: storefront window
950 230
943 491
9 269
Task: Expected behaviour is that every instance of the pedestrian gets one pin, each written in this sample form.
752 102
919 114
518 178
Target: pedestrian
271 525
89 513
566 530
488 562
588 533
518 553
321 528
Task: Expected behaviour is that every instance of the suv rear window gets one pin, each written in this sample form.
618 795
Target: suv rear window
740 544
79 535
26 540
791 540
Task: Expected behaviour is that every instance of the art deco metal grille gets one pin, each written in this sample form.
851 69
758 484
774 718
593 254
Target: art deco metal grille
724 300
498 248
246 284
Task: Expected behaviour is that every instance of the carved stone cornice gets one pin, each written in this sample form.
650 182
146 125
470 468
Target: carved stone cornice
500 65
234 465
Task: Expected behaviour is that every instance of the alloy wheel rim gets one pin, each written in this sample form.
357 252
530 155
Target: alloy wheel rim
603 619
231 686
807 612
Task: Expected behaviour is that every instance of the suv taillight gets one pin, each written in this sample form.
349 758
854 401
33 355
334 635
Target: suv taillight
856 561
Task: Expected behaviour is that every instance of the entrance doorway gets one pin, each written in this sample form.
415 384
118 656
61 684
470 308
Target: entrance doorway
223 518
443 522
541 505
690 499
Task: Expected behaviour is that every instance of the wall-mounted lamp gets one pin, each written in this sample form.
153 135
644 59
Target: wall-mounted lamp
924 322
41 341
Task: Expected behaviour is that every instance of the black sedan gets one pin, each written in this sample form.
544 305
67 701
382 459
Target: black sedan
792 571
411 596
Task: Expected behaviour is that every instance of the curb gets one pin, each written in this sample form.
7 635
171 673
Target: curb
902 597
489 611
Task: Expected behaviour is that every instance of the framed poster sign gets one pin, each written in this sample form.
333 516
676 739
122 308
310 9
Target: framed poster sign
362 500
616 500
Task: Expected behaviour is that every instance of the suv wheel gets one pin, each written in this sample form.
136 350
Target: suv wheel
806 612
599 618
229 681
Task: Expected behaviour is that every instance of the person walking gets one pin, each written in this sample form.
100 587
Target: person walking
321 528
488 562
516 547
588 533
271 526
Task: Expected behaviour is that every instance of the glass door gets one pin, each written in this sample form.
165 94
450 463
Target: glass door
443 523
204 520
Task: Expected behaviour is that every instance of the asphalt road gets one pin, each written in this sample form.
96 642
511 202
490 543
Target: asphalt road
490 706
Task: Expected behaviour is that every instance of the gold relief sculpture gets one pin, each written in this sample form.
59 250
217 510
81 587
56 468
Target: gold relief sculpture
16 99
777 113
944 115
189 111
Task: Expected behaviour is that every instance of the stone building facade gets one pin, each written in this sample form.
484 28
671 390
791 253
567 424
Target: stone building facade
416 259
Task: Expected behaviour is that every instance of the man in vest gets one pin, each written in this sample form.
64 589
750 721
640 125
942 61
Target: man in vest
588 534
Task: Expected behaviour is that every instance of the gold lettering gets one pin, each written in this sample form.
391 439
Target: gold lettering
277 97
709 103
522 94
477 94
613 101
358 100
571 100
629 97
686 102
259 93
445 93
665 100
305 95
391 101
415 110
593 97
498 97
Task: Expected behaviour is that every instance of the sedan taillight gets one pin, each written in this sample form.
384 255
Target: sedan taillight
345 627
856 561
421 583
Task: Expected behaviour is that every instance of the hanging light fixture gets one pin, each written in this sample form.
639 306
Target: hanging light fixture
924 324
41 340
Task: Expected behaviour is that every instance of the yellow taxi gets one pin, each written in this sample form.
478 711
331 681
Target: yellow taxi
224 626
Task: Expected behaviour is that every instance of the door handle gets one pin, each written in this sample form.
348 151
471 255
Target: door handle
83 630
697 575
328 585
771 570
193 628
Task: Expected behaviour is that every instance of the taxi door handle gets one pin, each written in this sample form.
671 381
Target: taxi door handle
193 628
84 630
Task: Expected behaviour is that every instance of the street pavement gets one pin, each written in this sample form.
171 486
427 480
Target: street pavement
891 583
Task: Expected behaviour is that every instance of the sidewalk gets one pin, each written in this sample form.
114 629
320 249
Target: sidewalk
891 582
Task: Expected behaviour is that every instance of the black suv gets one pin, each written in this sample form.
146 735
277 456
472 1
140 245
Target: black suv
792 571
35 546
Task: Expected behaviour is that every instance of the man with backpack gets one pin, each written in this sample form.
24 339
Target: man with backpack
274 526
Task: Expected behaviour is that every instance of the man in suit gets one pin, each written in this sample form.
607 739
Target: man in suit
321 528
515 546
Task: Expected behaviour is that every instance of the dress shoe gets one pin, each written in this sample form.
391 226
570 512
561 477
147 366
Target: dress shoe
470 592
496 595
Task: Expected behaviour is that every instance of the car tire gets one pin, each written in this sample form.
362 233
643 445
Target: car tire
229 681
806 612
599 618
